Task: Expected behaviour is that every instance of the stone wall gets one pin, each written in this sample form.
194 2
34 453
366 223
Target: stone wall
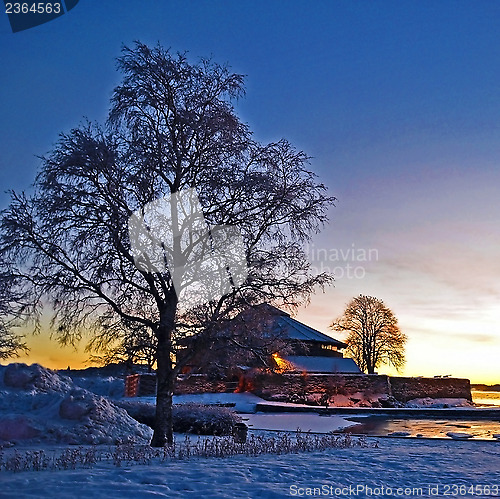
404 389
201 384
314 388
310 387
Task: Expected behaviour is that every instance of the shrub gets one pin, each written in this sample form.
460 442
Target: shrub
142 412
204 419
187 418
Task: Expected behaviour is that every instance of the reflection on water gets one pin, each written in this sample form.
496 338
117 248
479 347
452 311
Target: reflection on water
426 428
434 428
485 399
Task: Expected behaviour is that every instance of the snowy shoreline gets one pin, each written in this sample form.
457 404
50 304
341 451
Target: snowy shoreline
392 465
46 412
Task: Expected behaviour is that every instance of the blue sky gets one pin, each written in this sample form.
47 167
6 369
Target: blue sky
396 101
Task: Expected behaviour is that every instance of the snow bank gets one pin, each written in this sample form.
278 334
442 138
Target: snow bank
439 403
242 402
305 421
106 386
435 467
38 405
239 402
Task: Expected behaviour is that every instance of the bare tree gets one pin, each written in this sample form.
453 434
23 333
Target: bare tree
374 337
10 344
172 126
11 315
130 346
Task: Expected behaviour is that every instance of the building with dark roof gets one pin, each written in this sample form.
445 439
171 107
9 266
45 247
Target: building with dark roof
270 338
308 350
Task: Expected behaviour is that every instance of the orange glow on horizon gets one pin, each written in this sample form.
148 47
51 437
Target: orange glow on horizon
427 354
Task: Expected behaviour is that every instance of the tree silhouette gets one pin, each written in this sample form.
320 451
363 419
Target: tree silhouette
10 344
172 127
374 337
11 312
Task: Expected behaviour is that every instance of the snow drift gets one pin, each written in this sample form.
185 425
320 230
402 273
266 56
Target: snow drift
441 403
38 405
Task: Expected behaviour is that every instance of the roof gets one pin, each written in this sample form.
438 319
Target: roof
295 330
286 326
323 364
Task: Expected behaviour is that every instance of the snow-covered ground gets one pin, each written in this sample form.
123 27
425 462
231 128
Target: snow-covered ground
243 402
424 468
42 410
428 402
293 421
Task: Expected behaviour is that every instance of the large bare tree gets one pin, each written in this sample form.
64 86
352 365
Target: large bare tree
172 126
374 337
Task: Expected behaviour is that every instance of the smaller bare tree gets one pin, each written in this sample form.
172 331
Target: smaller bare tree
130 345
11 343
374 337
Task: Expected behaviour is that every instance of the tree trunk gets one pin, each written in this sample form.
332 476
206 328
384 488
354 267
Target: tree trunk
163 432
165 379
370 366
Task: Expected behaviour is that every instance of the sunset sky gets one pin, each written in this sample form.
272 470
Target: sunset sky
397 102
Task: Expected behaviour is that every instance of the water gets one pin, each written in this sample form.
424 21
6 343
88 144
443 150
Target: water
425 428
433 427
486 399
